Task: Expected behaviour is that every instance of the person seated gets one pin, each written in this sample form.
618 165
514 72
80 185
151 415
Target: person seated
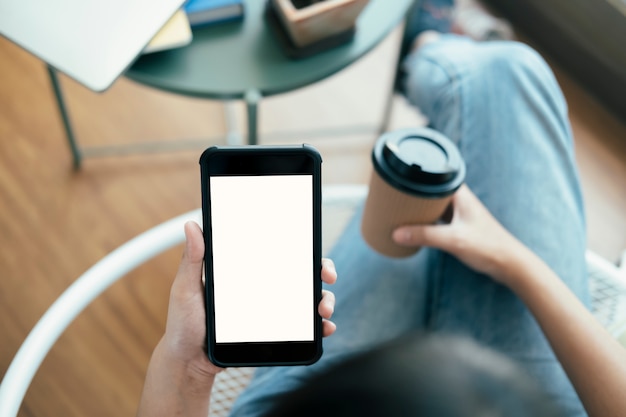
490 317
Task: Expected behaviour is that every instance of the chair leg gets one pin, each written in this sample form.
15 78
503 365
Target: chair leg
395 85
69 134
384 125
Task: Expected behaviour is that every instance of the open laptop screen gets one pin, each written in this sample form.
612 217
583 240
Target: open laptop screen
92 41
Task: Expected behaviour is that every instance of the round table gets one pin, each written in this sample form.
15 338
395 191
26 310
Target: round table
243 60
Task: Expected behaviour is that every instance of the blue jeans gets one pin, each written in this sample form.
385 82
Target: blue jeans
499 102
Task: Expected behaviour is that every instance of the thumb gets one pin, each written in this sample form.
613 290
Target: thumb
422 235
190 269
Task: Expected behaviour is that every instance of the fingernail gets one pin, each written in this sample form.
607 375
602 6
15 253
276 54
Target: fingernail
402 235
187 244
331 307
330 265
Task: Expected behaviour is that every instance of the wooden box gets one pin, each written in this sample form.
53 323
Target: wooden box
317 19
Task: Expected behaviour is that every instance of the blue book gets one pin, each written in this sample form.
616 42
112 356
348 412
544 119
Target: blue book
207 12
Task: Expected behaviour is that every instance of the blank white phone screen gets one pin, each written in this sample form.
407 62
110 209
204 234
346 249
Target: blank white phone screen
262 235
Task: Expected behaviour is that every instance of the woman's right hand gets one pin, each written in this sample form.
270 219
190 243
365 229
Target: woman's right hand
473 236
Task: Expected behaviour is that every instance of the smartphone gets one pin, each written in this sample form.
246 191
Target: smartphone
261 208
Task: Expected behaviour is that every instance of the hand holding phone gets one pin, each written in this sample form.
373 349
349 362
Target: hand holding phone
182 349
262 231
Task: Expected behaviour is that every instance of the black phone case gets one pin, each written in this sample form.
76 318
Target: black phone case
277 153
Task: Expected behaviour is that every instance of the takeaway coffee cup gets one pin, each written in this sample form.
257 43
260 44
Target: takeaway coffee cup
415 173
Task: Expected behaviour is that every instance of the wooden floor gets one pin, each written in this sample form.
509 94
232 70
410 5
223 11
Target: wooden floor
55 223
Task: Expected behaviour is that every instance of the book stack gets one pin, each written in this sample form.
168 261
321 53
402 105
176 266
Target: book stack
208 12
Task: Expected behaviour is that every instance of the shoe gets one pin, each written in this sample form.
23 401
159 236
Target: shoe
423 16
472 19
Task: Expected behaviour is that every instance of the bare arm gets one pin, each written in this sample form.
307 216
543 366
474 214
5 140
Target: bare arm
180 376
593 360
172 388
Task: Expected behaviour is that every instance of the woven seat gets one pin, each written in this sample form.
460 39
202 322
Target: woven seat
608 292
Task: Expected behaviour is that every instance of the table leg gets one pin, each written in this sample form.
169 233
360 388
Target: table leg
252 98
69 134
233 135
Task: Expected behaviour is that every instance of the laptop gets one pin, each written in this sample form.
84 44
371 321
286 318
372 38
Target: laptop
92 41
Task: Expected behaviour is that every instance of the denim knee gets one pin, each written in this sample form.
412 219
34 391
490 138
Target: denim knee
454 58
523 68
517 58
456 79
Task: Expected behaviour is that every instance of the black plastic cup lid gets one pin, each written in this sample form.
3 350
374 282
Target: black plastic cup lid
419 161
